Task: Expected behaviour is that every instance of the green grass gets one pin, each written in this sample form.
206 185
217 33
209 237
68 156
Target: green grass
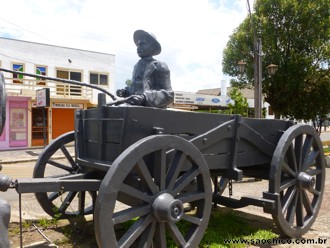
228 225
224 224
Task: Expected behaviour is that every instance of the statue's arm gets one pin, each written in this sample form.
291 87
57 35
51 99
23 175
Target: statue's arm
158 91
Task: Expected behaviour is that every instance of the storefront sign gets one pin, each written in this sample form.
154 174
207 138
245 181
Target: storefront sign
199 99
43 97
68 105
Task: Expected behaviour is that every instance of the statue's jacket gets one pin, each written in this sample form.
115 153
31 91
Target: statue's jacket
152 79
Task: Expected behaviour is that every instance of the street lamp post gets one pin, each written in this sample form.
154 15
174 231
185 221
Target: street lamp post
258 78
271 69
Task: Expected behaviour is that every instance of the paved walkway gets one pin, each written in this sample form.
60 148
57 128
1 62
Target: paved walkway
25 155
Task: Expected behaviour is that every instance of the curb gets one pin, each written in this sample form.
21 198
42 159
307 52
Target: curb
23 160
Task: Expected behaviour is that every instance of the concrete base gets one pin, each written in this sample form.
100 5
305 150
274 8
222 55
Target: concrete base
4 223
327 160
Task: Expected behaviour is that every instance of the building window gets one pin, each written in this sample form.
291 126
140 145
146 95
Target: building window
41 70
18 79
98 78
68 89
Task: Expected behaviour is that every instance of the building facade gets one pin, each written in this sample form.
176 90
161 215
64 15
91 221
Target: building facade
216 98
28 125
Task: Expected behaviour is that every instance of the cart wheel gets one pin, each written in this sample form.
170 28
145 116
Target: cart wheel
297 176
3 100
141 199
65 203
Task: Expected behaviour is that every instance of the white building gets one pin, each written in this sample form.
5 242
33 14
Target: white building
214 99
23 126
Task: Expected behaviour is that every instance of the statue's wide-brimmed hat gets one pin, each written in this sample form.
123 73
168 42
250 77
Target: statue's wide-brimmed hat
139 34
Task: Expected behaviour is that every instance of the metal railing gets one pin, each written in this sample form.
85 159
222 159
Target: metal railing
42 78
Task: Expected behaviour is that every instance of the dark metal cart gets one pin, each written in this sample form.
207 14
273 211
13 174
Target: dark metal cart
141 168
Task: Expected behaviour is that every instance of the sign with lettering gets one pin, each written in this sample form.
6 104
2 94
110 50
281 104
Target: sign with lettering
43 97
68 105
200 99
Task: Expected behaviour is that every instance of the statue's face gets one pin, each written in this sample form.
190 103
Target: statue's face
145 48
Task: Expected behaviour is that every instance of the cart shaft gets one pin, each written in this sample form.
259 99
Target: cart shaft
34 185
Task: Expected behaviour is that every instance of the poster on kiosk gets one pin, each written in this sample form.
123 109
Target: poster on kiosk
43 101
43 96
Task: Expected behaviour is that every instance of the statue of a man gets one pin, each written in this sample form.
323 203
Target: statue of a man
151 83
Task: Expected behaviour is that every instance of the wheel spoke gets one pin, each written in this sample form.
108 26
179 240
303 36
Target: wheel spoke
175 169
310 160
298 150
307 204
299 211
53 196
314 172
185 180
147 236
288 198
287 169
194 220
177 235
61 166
314 191
191 197
130 213
67 201
287 183
160 168
292 208
81 198
69 157
144 172
221 186
291 164
134 231
160 241
135 193
307 146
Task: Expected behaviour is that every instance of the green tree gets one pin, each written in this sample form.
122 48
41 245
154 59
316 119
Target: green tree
240 105
295 36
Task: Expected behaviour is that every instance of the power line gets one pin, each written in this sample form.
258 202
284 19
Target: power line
20 27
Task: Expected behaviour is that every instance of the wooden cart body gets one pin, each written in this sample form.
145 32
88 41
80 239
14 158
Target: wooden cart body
226 141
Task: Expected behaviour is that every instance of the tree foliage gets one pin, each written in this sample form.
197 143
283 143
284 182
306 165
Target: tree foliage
240 105
296 36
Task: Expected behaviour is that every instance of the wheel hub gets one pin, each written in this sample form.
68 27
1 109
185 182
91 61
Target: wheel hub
306 181
167 209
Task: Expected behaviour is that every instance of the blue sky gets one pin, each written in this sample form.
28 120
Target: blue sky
193 33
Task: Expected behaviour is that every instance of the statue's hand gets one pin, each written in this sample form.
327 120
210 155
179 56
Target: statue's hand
137 100
122 93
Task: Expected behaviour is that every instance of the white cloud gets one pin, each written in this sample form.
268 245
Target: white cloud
192 33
